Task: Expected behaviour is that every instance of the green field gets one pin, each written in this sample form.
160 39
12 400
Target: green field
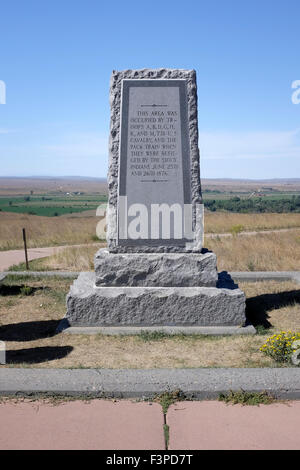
51 206
283 204
209 194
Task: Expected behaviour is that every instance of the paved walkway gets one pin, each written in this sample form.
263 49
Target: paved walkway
100 424
214 425
104 424
250 233
11 257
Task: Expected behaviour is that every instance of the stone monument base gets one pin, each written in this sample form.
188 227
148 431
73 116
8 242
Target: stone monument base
159 307
155 269
64 327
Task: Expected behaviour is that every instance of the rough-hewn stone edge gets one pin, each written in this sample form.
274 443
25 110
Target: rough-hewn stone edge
159 269
114 138
88 305
200 383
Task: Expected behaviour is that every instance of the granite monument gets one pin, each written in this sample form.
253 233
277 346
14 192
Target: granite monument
155 273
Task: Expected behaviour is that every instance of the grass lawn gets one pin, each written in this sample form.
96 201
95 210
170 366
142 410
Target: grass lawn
29 317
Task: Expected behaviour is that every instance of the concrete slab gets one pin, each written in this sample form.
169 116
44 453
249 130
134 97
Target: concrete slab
168 330
245 276
62 274
100 424
215 425
258 276
127 383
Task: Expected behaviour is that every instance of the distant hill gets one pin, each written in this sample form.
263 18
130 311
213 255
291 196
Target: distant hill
62 184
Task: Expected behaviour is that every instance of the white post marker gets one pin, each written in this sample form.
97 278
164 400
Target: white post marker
2 353
296 353
2 92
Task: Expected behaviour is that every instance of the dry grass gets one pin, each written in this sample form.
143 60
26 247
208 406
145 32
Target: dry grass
220 222
45 231
29 322
71 259
262 252
79 228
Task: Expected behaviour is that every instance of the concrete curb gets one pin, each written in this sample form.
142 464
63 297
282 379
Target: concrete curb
283 383
63 274
266 276
246 276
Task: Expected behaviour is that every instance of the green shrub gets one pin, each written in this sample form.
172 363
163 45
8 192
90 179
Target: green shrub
251 266
236 229
26 290
247 398
280 346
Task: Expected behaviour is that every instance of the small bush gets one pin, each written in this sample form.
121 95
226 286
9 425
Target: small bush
166 399
95 238
247 398
153 335
26 290
280 346
261 330
236 229
251 266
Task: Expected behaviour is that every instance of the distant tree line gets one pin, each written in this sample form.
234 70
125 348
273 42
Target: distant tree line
236 204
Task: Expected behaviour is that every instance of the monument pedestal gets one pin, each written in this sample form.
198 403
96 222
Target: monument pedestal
153 306
134 292
155 269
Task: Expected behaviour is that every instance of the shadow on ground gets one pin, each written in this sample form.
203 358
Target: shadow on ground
18 289
37 355
257 307
225 281
28 331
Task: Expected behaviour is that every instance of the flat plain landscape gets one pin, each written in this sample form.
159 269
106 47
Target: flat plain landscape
63 213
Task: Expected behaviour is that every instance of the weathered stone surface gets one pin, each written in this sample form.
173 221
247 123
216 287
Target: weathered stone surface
161 278
114 154
156 269
150 306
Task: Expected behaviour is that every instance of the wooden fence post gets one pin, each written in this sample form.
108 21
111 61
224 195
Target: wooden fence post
25 249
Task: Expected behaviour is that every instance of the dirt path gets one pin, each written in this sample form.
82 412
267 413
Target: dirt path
11 257
251 233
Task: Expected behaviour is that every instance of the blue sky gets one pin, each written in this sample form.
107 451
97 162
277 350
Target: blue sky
56 58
